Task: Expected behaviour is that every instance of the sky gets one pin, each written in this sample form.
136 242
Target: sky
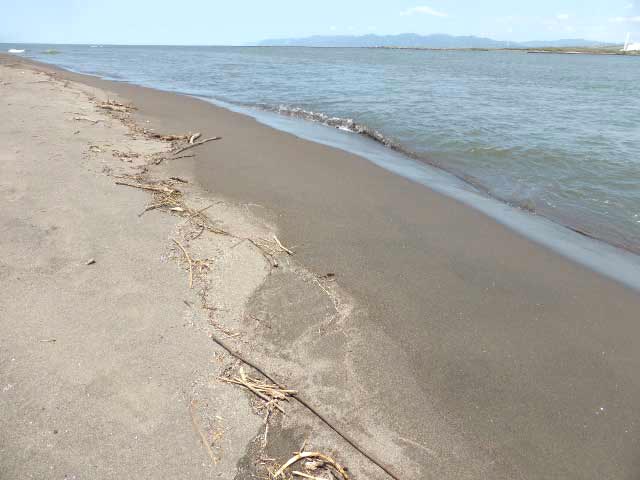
241 22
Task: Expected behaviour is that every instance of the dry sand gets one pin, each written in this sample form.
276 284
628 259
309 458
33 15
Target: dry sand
446 345
108 369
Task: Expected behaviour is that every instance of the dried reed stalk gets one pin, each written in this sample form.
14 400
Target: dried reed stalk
269 393
325 459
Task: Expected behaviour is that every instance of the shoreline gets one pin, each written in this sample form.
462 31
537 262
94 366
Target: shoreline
618 261
137 367
476 318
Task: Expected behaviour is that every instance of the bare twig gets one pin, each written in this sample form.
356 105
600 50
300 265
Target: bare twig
178 179
188 260
150 187
165 138
269 393
194 137
268 255
309 407
196 144
114 106
82 119
150 207
325 458
323 288
306 475
266 429
206 208
282 246
203 437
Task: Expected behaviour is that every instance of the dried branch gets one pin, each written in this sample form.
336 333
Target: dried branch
82 119
114 106
324 458
285 249
203 437
269 393
149 186
188 260
196 144
165 138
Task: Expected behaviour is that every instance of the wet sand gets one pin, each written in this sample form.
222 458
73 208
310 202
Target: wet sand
478 353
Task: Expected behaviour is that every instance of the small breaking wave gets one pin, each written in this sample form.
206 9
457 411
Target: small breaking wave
344 124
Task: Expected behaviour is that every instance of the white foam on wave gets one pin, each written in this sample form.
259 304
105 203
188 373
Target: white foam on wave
344 124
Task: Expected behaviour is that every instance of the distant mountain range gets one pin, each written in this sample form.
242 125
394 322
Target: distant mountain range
425 41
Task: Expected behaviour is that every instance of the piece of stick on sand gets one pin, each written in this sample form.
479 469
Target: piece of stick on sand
195 144
282 247
188 260
320 456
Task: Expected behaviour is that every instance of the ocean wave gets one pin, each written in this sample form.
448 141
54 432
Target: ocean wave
345 124
530 204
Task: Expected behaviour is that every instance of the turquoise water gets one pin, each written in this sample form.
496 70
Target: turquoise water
558 135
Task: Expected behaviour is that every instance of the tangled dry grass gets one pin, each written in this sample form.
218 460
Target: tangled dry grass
270 394
169 198
313 465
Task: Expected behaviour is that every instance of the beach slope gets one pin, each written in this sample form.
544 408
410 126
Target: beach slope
443 343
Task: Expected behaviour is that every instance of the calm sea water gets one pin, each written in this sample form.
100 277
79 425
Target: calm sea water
558 135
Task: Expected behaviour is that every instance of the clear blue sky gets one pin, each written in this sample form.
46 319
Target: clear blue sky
236 22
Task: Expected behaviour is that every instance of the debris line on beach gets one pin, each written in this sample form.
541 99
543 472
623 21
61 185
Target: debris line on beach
193 144
114 106
171 199
317 461
271 394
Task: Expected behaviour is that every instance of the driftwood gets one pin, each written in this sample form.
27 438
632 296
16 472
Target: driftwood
82 119
196 144
166 138
114 106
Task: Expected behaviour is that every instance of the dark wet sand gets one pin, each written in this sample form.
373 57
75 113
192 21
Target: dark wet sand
501 358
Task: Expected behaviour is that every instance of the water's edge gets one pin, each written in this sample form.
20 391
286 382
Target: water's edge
601 257
613 262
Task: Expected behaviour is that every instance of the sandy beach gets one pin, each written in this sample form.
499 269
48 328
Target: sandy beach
440 343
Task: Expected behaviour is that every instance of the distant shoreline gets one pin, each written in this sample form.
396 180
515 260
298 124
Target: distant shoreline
552 50
617 50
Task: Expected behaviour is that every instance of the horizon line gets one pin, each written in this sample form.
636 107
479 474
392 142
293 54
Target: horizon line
256 43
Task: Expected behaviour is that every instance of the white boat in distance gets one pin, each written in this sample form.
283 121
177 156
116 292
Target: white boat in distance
630 46
15 50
